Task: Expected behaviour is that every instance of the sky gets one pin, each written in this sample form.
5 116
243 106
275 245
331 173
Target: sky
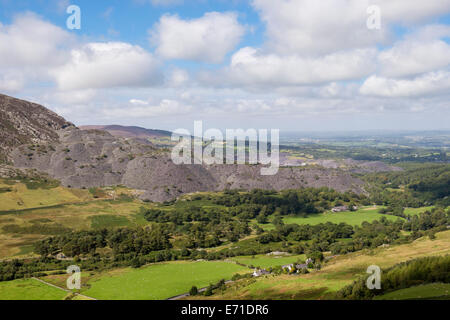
293 65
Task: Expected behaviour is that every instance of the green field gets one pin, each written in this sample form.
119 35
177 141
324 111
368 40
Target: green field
353 218
159 281
427 291
416 211
29 289
109 221
265 261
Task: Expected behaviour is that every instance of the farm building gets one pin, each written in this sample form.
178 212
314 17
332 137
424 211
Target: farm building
260 272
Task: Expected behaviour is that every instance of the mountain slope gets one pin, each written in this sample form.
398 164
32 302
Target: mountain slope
23 122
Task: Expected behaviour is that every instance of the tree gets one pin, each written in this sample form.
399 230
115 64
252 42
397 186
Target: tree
278 221
136 263
209 291
316 256
351 207
193 291
261 218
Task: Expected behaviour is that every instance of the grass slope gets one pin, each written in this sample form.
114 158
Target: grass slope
159 281
20 197
29 289
427 291
264 261
353 218
81 216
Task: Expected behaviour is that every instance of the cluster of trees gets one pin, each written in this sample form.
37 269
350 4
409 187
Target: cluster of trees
196 227
427 220
297 202
318 234
138 241
420 185
403 275
16 269
386 232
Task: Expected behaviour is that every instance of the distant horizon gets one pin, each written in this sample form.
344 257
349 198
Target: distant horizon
380 131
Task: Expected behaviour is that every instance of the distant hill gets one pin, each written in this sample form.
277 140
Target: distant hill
23 122
129 131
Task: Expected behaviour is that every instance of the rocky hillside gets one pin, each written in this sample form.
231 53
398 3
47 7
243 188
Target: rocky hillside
89 158
24 122
37 138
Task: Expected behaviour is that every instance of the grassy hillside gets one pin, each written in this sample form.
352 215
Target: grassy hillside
265 261
335 274
154 282
29 213
353 218
428 291
16 195
29 289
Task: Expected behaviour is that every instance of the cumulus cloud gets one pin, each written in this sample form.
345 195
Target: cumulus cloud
74 97
31 41
419 52
206 39
411 11
143 109
34 50
430 83
105 65
11 82
317 27
250 66
414 57
177 78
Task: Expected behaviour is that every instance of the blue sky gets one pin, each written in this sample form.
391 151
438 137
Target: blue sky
129 21
289 64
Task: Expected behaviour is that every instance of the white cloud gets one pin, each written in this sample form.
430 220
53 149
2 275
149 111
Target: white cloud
411 11
11 82
318 27
142 109
105 65
431 83
414 57
418 52
177 78
251 67
206 39
31 41
74 97
138 102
